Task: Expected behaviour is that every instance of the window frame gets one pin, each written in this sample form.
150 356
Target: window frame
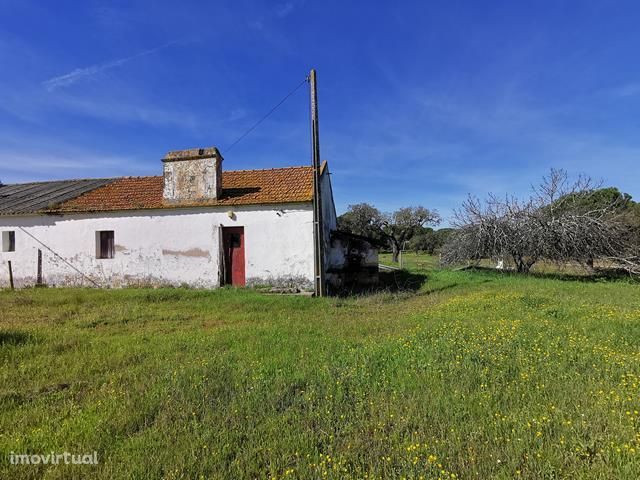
8 241
105 244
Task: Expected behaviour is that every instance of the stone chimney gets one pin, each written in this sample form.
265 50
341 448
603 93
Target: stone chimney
192 176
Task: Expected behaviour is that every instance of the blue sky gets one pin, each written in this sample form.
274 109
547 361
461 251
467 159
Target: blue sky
420 102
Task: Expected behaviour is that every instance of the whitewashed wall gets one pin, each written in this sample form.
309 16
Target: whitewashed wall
155 247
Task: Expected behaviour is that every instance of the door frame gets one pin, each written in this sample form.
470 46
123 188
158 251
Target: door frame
228 260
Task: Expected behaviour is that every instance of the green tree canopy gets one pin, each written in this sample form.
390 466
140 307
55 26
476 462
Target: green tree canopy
394 228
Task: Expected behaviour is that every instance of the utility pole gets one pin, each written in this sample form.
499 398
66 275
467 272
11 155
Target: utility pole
318 225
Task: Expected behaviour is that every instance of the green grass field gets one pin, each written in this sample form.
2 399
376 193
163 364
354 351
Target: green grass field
464 375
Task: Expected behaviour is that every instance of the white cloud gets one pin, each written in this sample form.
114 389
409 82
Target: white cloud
81 73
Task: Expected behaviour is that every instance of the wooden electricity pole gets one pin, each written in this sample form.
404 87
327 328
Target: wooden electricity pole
318 225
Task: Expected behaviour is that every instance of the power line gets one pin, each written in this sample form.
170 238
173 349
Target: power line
60 257
266 116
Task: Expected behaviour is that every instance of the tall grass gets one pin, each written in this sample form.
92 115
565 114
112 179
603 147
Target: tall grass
475 375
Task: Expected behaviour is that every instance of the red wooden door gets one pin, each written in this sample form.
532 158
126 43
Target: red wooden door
233 244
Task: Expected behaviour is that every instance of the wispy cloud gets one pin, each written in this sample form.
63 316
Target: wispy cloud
31 156
434 148
237 114
31 166
521 138
284 9
38 107
628 90
268 23
131 111
81 73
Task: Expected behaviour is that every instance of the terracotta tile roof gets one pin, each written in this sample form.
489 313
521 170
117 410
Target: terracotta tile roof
240 187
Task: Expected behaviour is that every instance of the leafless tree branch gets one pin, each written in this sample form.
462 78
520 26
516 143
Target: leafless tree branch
559 222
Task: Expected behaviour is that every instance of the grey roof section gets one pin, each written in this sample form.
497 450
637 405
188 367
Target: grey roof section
26 198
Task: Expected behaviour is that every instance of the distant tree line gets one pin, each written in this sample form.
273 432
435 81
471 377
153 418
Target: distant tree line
404 227
563 220
429 240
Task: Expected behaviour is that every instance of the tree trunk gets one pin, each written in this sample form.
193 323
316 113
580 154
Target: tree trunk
395 252
523 265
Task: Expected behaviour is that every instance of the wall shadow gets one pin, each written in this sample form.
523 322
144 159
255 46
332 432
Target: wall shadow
389 282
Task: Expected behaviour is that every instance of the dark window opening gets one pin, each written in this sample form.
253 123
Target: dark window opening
9 241
106 244
234 240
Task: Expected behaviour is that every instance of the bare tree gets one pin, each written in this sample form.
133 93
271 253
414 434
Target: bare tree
559 222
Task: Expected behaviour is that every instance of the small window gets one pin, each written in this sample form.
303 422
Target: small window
234 240
9 241
105 245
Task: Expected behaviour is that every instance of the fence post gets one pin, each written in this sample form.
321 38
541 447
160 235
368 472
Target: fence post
39 277
10 275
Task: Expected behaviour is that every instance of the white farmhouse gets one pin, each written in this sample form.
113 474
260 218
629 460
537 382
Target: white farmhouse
196 225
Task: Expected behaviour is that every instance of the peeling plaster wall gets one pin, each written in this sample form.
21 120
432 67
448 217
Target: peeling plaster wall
192 180
353 261
162 247
349 253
